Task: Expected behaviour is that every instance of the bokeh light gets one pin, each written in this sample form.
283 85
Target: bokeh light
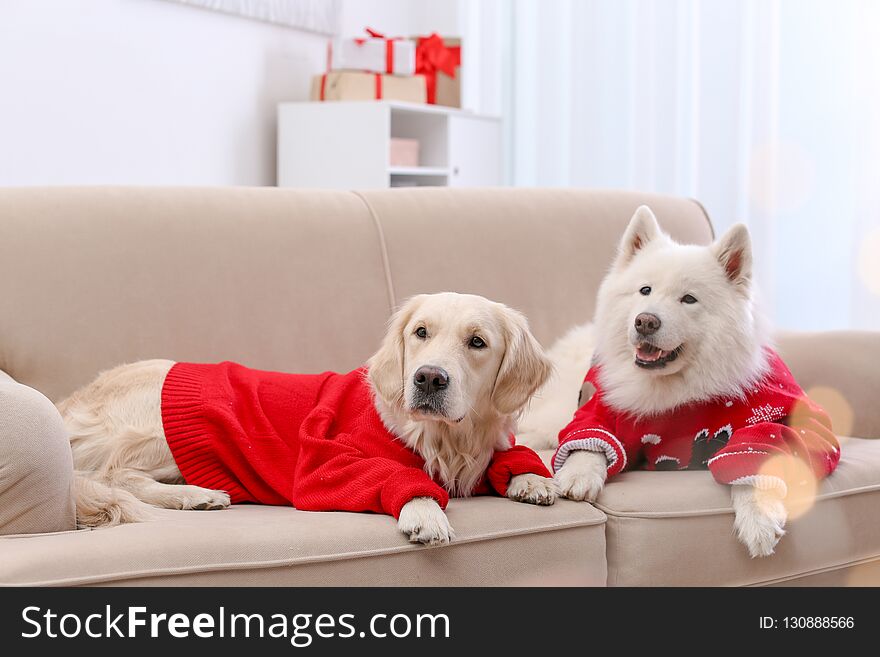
836 405
800 480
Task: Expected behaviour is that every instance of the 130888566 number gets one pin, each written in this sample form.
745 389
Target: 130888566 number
818 622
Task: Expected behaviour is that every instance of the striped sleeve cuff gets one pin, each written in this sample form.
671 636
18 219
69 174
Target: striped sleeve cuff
763 482
591 440
735 463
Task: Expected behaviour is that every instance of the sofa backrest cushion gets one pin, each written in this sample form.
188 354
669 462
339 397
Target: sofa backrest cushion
273 278
291 280
543 251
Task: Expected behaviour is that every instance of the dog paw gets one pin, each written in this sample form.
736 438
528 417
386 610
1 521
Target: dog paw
582 477
759 519
204 499
532 489
423 521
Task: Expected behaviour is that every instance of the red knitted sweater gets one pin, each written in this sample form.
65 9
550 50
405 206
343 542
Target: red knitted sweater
314 441
733 437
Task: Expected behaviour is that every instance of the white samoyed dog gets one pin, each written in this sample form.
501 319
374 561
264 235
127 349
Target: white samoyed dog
693 356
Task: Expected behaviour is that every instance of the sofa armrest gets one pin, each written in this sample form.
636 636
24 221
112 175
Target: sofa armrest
839 369
36 468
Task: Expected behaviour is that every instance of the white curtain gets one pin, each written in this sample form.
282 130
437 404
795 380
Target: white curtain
767 111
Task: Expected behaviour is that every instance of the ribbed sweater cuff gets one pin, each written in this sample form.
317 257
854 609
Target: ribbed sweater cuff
190 437
727 466
406 484
763 482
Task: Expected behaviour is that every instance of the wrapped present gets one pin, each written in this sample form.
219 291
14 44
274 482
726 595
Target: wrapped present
356 85
403 152
376 53
439 61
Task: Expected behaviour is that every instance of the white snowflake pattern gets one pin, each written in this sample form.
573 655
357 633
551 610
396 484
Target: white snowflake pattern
651 438
766 413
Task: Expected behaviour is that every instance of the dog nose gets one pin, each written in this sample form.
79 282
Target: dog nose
647 323
431 379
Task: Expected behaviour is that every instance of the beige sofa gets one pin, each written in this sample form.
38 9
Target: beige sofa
304 281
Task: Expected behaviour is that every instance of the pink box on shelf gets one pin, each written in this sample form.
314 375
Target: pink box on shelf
404 152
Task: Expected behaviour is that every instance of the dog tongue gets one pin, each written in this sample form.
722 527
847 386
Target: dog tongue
649 353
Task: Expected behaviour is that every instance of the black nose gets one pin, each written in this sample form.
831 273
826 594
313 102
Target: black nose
647 323
431 379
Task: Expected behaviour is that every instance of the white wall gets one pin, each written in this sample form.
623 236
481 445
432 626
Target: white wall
156 92
402 17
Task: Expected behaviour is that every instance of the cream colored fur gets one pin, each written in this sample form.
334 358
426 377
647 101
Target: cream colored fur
495 384
125 468
722 338
554 404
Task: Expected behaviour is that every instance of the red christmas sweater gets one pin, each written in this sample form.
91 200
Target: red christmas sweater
314 441
733 437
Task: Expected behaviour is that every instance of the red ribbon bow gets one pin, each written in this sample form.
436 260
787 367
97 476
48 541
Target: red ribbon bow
432 55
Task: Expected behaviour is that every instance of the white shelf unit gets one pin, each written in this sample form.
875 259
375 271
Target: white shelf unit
346 145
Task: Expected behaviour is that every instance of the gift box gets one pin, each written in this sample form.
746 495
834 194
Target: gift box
438 59
404 152
376 54
356 85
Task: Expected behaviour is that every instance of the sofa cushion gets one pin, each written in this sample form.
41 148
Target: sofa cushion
498 542
542 251
92 277
676 528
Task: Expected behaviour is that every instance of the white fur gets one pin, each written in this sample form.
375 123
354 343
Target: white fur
553 405
759 519
583 476
722 334
125 466
722 339
423 521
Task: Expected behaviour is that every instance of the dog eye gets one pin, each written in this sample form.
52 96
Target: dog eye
645 291
688 298
476 342
421 333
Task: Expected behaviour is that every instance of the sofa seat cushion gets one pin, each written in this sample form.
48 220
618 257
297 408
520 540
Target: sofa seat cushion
676 528
498 542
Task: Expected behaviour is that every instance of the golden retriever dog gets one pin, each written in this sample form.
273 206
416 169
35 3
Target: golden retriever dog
432 414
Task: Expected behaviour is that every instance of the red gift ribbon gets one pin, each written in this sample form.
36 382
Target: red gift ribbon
389 47
432 55
321 95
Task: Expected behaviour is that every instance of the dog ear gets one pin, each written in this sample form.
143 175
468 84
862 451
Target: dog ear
385 367
642 229
524 367
734 252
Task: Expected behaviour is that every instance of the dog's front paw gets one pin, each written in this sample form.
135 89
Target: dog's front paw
197 498
532 489
760 518
582 476
423 521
